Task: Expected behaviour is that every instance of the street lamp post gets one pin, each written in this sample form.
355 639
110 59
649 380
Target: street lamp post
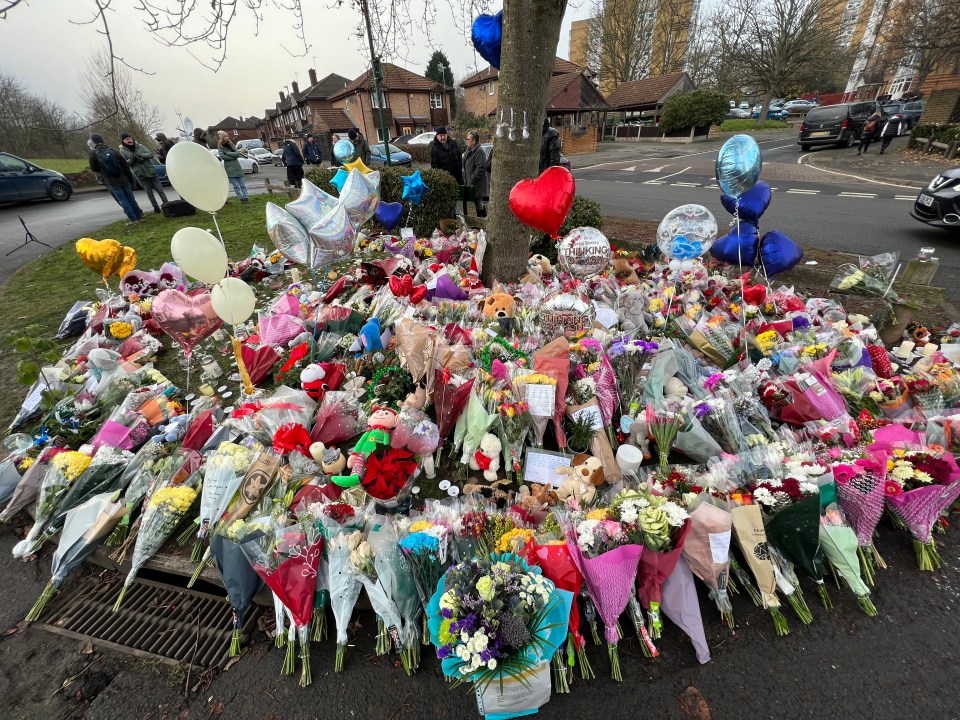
377 77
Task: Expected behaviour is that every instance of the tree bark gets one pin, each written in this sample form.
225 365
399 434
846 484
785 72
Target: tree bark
531 30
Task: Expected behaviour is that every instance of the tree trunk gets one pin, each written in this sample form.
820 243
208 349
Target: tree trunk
531 29
764 106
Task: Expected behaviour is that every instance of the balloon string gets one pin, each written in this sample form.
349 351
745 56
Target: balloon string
186 389
217 226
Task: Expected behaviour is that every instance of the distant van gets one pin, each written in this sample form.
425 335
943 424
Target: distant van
249 144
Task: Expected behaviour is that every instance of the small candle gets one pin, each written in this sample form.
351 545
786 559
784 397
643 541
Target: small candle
211 368
906 347
206 389
929 349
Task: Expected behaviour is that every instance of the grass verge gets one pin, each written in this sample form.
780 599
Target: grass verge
63 165
751 125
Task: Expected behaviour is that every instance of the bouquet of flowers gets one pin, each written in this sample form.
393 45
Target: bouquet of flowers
363 564
102 475
64 469
860 494
496 620
239 576
397 576
851 279
450 395
664 425
607 559
514 421
840 547
538 392
341 525
287 559
629 358
928 394
707 551
752 538
427 548
222 475
164 510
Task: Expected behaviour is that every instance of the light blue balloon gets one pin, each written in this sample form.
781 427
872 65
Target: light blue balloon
738 165
343 151
339 179
413 188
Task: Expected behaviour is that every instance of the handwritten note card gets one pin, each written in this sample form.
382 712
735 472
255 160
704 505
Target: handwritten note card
541 467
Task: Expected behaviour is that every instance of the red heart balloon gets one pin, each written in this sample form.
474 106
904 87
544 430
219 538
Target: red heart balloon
396 287
188 320
418 294
406 285
543 203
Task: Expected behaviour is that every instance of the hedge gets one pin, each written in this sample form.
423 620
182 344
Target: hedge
437 203
942 133
584 213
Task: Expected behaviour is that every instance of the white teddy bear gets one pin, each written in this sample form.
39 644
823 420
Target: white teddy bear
487 458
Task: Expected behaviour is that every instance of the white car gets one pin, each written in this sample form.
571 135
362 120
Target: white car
261 155
422 139
248 165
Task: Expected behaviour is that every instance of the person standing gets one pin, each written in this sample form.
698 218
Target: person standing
140 160
445 155
311 152
200 137
891 129
871 128
293 159
163 147
116 175
334 139
361 150
231 164
475 171
549 146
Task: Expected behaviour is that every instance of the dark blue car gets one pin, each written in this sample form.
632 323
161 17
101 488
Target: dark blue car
21 180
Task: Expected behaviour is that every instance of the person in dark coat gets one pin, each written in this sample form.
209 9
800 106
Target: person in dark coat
311 151
294 162
140 160
334 139
871 131
892 128
361 150
475 172
116 175
200 137
163 147
445 155
549 146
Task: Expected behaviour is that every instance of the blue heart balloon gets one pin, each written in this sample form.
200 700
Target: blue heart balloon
487 34
738 165
739 246
753 203
389 214
413 188
778 253
339 179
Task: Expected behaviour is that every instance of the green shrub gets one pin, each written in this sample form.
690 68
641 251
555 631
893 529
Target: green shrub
942 133
693 109
419 153
425 218
750 125
465 122
584 213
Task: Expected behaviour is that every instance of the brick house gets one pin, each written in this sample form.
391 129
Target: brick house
413 103
306 112
237 128
644 98
481 91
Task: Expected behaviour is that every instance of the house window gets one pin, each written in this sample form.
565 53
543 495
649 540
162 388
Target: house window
380 137
436 100
373 101
901 85
235 132
490 87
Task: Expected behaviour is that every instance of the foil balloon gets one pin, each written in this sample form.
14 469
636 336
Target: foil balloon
778 253
566 314
357 165
199 254
312 204
544 202
414 188
339 179
332 236
739 246
104 257
343 150
187 319
686 232
487 36
233 300
738 165
751 205
128 262
361 195
584 252
389 214
288 234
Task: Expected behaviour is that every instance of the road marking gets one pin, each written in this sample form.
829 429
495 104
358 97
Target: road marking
904 197
674 157
858 195
851 175
686 184
632 168
664 177
803 192
657 169
711 187
654 182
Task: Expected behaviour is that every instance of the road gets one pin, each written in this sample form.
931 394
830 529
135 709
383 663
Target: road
813 207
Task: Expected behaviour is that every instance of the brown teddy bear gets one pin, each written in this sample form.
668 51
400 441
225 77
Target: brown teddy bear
536 497
497 305
586 474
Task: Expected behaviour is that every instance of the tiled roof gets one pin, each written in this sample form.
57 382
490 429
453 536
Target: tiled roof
326 87
394 78
648 91
334 119
560 67
231 123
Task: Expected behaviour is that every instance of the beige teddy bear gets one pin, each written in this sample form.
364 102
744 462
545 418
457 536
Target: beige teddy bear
487 457
586 474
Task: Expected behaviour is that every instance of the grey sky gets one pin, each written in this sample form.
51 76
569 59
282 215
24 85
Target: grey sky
45 51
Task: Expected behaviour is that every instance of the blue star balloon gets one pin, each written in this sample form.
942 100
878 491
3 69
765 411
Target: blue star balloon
339 179
487 35
753 203
738 248
738 165
414 188
778 253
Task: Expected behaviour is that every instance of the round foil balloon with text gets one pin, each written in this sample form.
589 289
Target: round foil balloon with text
738 165
343 150
584 252
687 232
566 314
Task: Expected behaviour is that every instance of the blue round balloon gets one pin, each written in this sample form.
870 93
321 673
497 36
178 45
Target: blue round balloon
343 150
738 165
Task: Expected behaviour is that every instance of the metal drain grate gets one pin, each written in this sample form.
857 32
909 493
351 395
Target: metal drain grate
156 620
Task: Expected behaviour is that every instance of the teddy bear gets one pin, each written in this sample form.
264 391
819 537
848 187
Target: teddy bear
674 388
331 460
487 457
639 436
536 497
497 305
415 400
630 311
586 475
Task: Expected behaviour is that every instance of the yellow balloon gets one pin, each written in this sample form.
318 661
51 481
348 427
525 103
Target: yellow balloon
357 165
101 256
129 261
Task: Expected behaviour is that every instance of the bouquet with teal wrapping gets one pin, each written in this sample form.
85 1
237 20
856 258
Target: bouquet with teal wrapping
496 621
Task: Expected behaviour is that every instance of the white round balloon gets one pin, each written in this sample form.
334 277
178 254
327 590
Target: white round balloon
233 300
686 232
199 254
197 175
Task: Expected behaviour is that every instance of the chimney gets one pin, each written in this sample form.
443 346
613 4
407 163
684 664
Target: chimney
313 76
282 96
296 88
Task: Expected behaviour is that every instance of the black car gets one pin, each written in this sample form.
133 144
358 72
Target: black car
835 124
911 112
938 204
21 180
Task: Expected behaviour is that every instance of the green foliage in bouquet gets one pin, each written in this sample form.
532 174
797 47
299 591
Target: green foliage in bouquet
39 351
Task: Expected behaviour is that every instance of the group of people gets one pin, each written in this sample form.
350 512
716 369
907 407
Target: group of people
473 168
294 158
132 163
881 128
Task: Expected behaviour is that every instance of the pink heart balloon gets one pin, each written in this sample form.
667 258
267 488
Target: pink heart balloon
188 320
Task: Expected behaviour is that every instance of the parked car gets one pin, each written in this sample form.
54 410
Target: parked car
277 156
403 139
488 147
261 155
398 157
22 180
744 105
249 165
737 114
938 204
911 111
422 139
773 113
795 107
161 171
249 144
835 124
